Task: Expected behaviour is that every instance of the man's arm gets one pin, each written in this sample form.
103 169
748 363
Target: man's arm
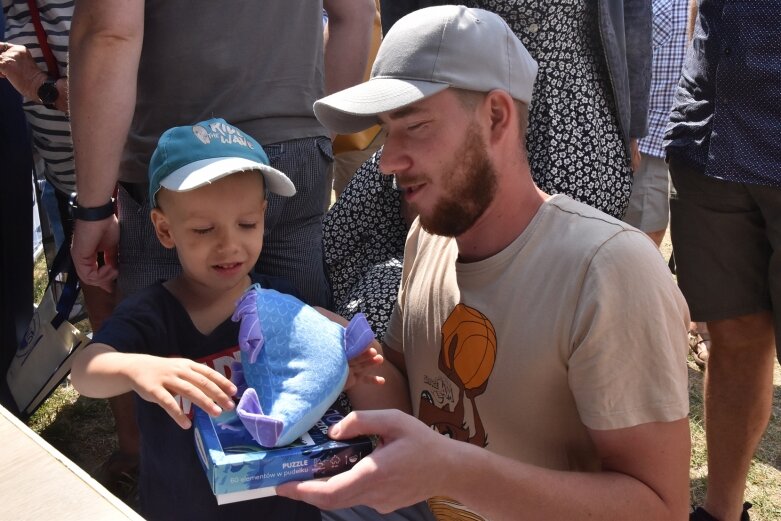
350 24
644 476
18 65
105 47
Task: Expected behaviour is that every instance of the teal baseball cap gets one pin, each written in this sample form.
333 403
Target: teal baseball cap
192 156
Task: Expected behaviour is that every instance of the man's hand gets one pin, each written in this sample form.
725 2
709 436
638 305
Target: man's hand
19 67
161 380
407 467
90 238
634 152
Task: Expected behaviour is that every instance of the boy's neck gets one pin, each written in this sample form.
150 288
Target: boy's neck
207 307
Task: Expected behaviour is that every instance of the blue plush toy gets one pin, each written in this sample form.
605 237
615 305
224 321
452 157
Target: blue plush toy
293 362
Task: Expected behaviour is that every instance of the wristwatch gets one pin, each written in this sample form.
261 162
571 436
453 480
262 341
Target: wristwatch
97 213
48 93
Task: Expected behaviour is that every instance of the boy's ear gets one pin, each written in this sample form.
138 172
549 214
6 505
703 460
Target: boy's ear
162 228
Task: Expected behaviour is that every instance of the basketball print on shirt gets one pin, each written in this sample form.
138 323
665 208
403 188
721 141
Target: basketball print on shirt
466 358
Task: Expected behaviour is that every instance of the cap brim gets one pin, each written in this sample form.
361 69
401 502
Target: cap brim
355 109
205 171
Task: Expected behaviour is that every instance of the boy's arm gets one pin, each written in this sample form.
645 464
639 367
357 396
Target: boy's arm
101 372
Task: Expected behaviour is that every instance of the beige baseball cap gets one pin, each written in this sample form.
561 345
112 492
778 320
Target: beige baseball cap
424 53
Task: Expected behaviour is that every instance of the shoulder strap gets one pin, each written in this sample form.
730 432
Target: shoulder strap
63 264
48 55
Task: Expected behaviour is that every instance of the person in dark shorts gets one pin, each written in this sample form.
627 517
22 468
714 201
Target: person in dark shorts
725 164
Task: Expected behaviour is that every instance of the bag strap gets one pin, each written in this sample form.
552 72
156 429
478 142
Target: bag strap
48 55
63 264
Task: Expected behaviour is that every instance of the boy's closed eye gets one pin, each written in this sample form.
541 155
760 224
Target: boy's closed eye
249 225
202 231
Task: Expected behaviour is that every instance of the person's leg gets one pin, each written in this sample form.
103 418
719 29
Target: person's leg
142 261
699 343
123 408
649 205
738 399
124 462
724 262
293 242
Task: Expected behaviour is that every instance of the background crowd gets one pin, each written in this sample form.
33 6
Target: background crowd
623 91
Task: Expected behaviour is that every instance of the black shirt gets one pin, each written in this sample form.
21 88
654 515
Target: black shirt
172 483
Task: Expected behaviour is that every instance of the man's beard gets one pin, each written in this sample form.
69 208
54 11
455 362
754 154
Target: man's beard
471 189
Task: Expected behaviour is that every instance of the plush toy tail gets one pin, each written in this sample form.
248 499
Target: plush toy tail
263 429
250 332
357 336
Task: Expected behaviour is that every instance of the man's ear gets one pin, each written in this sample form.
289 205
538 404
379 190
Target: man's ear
501 109
162 228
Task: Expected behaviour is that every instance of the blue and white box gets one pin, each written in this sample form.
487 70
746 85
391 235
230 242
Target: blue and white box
239 469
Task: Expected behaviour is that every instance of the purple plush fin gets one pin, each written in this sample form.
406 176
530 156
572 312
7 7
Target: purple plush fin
250 332
246 303
263 429
357 336
237 377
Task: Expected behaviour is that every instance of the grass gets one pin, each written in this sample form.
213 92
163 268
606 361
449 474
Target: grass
83 430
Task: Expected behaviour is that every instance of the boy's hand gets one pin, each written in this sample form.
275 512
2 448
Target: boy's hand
363 366
160 380
363 369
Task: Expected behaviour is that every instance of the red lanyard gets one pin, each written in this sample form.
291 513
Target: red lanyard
51 62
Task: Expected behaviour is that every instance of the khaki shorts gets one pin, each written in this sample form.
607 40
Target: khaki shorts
727 242
649 204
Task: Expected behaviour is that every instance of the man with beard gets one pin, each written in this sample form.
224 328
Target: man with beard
545 334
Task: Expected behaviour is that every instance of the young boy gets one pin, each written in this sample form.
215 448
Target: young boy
172 342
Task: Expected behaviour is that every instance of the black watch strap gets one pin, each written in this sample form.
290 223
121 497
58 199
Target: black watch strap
48 93
97 213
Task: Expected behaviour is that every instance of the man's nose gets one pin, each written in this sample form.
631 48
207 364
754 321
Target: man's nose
394 158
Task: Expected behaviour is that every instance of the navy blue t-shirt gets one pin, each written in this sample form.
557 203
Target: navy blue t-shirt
172 483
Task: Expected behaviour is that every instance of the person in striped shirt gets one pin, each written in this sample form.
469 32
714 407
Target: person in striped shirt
40 75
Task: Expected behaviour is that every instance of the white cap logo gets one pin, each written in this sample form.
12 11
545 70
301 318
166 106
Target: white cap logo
202 134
